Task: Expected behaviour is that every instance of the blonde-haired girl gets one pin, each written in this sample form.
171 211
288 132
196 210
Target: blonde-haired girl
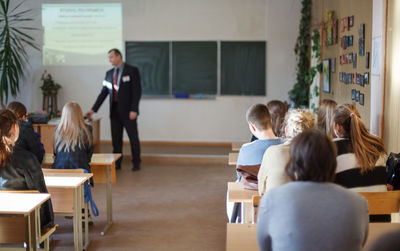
325 116
73 143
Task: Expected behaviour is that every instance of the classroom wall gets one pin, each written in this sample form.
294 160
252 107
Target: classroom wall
392 85
216 120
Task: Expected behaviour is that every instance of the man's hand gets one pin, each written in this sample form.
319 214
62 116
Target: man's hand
132 115
89 114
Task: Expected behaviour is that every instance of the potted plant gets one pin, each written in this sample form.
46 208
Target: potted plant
49 89
14 41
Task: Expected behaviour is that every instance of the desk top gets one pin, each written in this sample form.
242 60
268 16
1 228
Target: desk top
98 159
236 146
21 203
232 158
66 180
236 193
244 236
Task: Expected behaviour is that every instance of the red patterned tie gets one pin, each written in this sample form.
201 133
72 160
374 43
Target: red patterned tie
115 86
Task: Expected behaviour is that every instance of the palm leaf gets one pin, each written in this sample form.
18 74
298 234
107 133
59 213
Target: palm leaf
14 42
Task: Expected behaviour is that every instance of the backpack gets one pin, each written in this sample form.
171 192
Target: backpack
393 170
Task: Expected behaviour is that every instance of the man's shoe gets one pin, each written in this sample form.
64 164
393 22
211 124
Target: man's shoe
136 168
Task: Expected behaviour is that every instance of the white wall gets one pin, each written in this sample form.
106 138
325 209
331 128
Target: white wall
218 120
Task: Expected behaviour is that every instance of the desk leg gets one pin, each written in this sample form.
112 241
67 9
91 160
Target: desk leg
109 199
31 232
78 218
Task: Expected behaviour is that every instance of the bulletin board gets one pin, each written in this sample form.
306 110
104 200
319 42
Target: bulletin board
359 12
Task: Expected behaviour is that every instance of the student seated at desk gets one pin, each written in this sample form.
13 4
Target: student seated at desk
361 160
311 213
28 139
272 170
250 154
19 169
325 116
277 109
73 141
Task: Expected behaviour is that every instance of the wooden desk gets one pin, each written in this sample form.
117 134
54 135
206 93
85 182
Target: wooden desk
24 206
241 237
232 158
236 193
236 146
46 132
103 169
244 236
59 185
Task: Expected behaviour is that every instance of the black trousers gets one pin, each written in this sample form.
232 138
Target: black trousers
117 125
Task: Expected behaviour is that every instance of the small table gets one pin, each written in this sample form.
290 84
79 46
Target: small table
100 162
59 181
232 158
237 193
244 236
28 206
236 146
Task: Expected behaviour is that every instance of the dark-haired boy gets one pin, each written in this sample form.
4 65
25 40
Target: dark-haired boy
28 139
251 154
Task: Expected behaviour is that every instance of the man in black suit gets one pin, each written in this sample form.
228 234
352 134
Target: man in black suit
122 85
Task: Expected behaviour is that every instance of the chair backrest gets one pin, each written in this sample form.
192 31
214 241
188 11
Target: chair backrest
382 202
256 204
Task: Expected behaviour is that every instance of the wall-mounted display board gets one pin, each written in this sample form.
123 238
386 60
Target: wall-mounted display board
191 67
194 67
152 60
243 68
349 81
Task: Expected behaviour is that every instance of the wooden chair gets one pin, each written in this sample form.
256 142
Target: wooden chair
13 228
383 202
63 199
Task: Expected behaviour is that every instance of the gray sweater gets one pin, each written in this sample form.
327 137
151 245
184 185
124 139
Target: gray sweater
312 216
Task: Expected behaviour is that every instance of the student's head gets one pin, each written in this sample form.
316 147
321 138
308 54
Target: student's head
258 118
71 131
18 108
277 109
325 116
367 147
312 157
115 57
9 132
297 121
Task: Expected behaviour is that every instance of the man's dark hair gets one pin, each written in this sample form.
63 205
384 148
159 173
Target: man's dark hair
18 108
312 157
116 51
259 116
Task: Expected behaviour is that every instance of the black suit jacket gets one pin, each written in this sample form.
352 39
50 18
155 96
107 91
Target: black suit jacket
129 91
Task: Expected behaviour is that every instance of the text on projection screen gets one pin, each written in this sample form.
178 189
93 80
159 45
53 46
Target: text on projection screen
80 34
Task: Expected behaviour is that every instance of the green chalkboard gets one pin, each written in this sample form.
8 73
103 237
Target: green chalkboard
152 60
243 68
194 67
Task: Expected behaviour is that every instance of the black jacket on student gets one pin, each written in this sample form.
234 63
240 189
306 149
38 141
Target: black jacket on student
29 140
23 172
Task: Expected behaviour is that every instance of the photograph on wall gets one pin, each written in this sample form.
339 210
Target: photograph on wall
351 21
355 60
366 78
353 94
326 75
361 99
357 96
